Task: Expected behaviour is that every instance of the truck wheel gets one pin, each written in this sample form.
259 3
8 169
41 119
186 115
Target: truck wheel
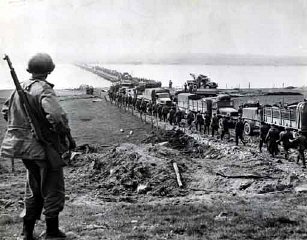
248 130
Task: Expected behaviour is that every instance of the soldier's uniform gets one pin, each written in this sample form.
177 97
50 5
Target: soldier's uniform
301 142
239 129
272 138
159 110
190 118
171 117
285 137
165 111
214 124
264 128
179 115
199 121
225 129
207 123
46 184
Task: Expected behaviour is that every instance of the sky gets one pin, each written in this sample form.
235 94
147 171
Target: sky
89 30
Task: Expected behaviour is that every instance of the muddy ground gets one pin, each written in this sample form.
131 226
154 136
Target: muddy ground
122 184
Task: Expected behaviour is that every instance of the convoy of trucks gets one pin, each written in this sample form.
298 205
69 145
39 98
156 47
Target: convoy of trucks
204 99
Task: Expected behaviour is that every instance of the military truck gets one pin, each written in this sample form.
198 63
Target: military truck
158 96
292 116
222 105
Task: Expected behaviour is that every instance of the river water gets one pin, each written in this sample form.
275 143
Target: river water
70 76
64 76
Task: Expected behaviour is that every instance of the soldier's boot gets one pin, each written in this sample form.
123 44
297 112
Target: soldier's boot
27 229
53 231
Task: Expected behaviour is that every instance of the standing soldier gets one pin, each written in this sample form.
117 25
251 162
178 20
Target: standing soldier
190 118
301 142
138 104
159 110
155 110
130 100
239 129
179 115
143 107
170 84
264 129
165 111
214 124
171 117
272 138
207 123
285 137
46 183
199 121
149 108
225 129
119 99
240 110
185 87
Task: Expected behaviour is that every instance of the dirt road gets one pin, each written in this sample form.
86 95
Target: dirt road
124 186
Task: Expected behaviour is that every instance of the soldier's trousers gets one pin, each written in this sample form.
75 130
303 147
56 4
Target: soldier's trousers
239 136
207 129
261 142
47 190
214 129
273 147
301 156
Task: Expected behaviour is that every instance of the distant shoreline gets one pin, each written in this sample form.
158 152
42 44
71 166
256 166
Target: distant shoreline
210 64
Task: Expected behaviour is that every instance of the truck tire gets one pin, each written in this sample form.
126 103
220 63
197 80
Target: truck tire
248 130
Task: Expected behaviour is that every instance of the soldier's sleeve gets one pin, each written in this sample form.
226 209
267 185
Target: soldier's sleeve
268 135
6 105
54 112
5 109
281 136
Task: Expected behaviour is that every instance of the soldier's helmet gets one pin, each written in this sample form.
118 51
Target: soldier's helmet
40 63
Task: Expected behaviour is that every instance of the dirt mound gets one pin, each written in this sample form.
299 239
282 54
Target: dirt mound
177 139
129 169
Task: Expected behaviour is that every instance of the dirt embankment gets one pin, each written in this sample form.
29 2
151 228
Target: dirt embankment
213 167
